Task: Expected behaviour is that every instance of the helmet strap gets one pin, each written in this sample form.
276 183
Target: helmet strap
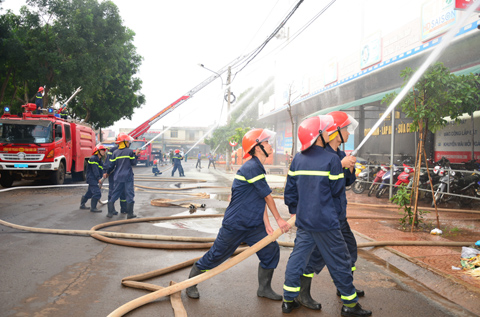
321 137
263 149
340 134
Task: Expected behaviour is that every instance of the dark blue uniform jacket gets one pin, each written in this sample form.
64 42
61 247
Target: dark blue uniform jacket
314 180
94 170
122 161
341 202
176 159
39 100
109 153
249 190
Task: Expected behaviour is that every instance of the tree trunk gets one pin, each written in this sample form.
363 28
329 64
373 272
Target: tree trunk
5 82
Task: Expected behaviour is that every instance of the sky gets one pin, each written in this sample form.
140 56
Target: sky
175 36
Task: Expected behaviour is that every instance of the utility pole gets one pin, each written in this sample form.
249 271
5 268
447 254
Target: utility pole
229 152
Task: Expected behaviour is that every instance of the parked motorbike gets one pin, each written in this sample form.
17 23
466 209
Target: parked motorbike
447 177
378 179
363 178
404 177
382 189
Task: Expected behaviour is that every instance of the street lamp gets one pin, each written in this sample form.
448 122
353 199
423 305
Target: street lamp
203 66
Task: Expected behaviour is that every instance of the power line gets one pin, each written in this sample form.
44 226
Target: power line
269 38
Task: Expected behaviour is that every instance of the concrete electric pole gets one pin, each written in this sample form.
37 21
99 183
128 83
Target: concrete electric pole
229 149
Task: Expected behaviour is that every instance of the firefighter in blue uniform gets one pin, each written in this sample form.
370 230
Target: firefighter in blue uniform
246 217
122 161
111 182
343 125
314 181
177 163
39 100
94 176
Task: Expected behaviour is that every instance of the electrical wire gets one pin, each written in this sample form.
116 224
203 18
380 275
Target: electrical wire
260 27
282 46
269 38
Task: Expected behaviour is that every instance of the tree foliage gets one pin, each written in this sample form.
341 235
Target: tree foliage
242 119
66 44
438 94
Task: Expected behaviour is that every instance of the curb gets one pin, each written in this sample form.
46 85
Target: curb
444 286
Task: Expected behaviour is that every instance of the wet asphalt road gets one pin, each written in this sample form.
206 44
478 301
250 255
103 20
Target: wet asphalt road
67 275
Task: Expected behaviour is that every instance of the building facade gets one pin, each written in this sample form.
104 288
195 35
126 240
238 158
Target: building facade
358 83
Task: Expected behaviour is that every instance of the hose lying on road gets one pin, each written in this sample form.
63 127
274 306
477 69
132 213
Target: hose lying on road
122 310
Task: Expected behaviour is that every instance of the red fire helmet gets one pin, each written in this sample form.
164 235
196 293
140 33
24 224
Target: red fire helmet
123 137
341 120
98 148
255 137
309 130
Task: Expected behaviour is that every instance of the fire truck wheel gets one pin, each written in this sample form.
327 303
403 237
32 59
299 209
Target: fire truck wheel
6 180
58 177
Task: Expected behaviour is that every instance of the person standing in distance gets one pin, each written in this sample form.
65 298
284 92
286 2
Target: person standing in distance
122 161
94 176
39 100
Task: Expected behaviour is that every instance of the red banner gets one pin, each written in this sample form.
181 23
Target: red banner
464 4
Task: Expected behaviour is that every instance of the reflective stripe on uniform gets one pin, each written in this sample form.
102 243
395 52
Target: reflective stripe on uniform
351 297
121 157
93 163
316 173
291 289
308 275
354 268
251 180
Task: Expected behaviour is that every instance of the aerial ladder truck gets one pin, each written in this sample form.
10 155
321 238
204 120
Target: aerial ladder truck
146 155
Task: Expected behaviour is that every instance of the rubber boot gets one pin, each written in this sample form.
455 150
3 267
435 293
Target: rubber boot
355 311
304 296
130 214
192 291
264 284
123 207
287 307
93 208
82 203
111 209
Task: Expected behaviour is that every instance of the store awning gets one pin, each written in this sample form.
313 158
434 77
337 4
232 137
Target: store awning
359 102
379 96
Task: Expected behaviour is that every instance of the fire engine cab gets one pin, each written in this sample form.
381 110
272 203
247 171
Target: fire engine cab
43 146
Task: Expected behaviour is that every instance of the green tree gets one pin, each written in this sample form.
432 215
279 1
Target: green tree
438 94
79 43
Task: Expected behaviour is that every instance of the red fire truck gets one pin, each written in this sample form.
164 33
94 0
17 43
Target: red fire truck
43 146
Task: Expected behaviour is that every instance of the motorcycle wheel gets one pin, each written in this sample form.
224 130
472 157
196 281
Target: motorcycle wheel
372 189
437 197
466 201
358 187
380 192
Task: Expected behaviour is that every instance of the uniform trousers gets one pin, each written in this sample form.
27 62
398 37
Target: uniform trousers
229 239
334 252
316 262
125 188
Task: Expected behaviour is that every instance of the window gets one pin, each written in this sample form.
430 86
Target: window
68 135
191 135
174 134
58 132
